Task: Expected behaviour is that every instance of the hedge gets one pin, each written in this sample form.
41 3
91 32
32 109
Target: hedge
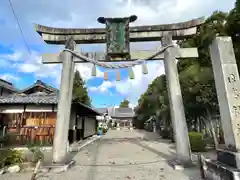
197 142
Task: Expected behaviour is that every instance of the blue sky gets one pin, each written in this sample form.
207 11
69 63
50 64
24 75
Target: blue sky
23 68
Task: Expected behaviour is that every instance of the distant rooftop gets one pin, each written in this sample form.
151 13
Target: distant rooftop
121 112
7 85
101 110
39 83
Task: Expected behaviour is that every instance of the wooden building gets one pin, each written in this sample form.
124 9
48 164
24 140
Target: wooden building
31 115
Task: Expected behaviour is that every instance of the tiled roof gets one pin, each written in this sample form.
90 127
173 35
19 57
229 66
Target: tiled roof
36 98
42 84
7 85
120 112
29 99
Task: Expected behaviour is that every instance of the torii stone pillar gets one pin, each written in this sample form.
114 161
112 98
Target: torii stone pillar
64 105
176 104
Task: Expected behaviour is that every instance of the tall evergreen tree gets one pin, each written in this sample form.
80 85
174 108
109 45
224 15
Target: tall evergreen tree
80 93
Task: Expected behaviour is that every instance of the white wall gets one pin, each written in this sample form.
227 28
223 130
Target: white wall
39 108
89 127
28 108
12 109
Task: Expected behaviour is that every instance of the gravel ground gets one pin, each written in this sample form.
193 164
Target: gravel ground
120 155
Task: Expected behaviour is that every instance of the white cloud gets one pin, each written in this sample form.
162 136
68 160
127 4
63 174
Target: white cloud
9 77
12 57
28 68
131 89
103 87
85 70
132 105
25 63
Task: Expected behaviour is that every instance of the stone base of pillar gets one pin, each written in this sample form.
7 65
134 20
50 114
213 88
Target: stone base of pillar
118 128
229 158
215 170
57 167
227 166
131 128
177 165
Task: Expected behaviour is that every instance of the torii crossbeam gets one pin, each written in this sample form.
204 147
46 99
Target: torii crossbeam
137 33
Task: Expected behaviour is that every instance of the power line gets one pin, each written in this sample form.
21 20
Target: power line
19 26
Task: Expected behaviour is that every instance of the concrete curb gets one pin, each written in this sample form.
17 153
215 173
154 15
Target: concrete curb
49 148
46 148
76 149
65 167
176 165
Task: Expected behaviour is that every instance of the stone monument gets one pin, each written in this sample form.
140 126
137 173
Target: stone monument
227 165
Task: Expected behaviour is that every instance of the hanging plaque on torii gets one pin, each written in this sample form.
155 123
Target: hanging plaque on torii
117 37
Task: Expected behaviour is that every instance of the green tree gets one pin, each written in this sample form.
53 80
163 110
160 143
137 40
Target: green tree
80 93
196 79
233 26
124 104
154 102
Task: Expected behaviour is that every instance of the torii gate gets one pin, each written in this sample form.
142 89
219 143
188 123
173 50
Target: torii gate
118 35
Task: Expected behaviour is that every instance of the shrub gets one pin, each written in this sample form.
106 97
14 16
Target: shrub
165 133
105 130
11 157
209 141
37 154
197 142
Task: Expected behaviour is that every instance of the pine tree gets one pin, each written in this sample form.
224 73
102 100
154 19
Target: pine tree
80 93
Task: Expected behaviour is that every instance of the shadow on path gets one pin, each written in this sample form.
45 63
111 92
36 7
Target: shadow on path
138 141
93 168
159 153
151 136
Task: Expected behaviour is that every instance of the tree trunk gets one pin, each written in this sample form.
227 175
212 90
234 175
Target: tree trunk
198 125
212 129
201 125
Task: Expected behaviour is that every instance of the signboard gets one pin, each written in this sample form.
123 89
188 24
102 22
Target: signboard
117 37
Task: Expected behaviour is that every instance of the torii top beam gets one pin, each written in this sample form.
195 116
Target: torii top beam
137 33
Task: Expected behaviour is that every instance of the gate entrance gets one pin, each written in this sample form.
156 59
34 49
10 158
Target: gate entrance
118 35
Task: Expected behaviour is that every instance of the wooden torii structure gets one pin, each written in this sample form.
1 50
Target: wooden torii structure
165 33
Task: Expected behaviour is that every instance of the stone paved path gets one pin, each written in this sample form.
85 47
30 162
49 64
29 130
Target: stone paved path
120 155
